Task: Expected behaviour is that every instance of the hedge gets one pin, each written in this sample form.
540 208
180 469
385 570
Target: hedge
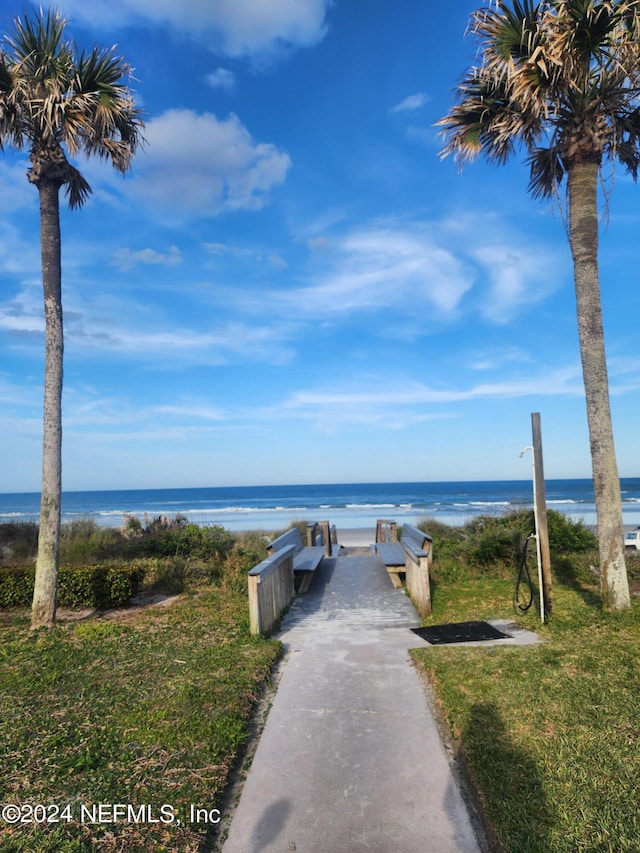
102 587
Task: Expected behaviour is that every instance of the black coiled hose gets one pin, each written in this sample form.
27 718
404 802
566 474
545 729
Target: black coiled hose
524 579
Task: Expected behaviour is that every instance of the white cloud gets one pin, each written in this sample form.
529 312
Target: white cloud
385 267
516 271
162 344
15 190
22 314
498 359
394 391
205 413
222 78
126 259
97 322
234 27
395 402
411 103
519 276
199 164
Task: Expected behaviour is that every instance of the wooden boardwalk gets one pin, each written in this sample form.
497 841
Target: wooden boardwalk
350 758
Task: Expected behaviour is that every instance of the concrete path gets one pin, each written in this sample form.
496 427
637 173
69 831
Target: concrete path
350 758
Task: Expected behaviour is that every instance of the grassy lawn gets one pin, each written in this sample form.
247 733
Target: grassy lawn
149 710
548 734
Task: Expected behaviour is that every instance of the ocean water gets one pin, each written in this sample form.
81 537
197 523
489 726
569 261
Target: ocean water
348 506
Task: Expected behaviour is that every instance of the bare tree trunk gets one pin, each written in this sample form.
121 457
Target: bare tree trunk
583 236
43 612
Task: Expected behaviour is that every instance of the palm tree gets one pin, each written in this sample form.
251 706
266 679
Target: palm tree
561 79
54 101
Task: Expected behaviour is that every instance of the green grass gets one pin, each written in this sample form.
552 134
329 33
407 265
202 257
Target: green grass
547 734
149 709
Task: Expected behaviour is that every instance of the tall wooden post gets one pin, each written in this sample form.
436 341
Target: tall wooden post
541 513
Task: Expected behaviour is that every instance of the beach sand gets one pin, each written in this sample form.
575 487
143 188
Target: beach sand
356 538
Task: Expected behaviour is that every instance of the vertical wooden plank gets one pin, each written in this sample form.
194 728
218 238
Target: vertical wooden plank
326 535
254 604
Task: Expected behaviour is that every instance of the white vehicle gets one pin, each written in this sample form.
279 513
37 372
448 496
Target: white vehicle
632 539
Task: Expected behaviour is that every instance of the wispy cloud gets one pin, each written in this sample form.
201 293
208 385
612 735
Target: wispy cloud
395 402
519 276
411 103
222 78
515 271
383 267
442 269
498 358
127 259
123 327
17 192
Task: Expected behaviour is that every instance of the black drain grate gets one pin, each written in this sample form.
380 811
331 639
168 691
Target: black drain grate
459 632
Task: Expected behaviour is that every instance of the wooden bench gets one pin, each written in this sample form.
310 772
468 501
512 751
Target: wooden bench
306 558
412 557
413 544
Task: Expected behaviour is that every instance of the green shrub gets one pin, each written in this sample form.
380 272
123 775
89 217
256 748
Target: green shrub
16 586
190 541
493 543
498 546
248 551
567 536
102 587
169 575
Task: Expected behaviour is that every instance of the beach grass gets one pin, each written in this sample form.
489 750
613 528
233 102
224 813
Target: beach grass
147 708
546 734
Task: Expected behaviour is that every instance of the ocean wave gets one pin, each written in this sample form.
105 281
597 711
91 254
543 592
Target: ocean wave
483 503
370 506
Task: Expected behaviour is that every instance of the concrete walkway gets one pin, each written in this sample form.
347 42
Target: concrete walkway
350 758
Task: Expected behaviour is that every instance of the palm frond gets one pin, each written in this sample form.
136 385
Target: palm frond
559 77
38 48
10 125
545 172
627 148
52 97
76 187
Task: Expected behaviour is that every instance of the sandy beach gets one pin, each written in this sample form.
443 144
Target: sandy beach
356 537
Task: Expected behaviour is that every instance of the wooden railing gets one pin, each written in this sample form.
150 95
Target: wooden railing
270 590
386 531
321 533
417 565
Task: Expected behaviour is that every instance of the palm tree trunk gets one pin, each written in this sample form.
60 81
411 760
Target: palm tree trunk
583 237
43 612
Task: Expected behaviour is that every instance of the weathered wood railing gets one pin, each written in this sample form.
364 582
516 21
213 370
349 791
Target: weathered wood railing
411 557
386 531
321 533
417 566
271 590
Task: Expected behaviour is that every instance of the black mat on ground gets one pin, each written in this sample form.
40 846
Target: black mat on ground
459 632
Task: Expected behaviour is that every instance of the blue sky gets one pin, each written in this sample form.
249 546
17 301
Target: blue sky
290 285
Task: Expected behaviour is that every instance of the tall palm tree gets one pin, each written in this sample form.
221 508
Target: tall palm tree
561 80
55 101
